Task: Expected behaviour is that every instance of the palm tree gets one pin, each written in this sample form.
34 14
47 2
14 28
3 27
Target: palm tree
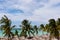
53 28
6 27
36 29
42 28
47 29
58 26
58 21
27 29
16 33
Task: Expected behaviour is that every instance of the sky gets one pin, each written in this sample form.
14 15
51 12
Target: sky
36 11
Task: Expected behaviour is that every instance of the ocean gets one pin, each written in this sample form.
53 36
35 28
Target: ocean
19 31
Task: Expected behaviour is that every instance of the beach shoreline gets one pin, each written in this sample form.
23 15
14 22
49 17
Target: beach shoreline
42 37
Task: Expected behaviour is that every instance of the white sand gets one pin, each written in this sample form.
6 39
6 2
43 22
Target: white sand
43 37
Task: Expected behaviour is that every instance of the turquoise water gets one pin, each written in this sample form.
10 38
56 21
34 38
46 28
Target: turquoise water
39 32
1 32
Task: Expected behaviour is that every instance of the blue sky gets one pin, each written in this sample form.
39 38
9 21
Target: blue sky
36 11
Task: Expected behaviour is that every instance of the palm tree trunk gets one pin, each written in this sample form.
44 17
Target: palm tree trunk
58 38
42 33
18 38
50 37
8 38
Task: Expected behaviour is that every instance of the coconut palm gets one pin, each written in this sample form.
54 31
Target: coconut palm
36 29
58 21
27 29
16 33
58 24
53 28
42 28
6 27
47 28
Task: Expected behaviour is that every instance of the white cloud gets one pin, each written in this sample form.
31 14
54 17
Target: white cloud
14 17
46 13
41 11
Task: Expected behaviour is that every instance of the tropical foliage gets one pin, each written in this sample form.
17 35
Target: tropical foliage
16 32
27 30
6 26
36 29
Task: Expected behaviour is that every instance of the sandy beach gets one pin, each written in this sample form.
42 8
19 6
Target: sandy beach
43 37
